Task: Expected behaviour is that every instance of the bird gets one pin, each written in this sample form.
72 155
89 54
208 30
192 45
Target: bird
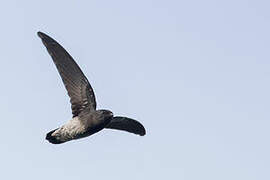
86 119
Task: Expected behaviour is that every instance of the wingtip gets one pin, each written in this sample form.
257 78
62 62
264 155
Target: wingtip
45 38
143 133
40 34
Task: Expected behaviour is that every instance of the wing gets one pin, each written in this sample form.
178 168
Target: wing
79 90
126 124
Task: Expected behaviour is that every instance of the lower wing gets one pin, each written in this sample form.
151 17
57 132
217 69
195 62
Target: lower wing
126 124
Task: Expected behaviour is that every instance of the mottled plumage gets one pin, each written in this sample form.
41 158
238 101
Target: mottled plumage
86 119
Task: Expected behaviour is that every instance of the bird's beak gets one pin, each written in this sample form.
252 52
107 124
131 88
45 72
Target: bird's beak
111 114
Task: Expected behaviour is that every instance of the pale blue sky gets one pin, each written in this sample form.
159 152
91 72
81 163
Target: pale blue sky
195 73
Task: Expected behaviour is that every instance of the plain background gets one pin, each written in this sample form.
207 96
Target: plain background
195 73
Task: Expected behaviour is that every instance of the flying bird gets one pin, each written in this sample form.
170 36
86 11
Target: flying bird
86 119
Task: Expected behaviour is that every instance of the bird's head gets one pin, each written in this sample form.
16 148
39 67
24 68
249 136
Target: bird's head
105 114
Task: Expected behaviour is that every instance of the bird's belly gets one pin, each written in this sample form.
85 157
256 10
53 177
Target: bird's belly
71 130
75 129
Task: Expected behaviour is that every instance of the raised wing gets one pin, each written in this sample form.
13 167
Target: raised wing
126 124
79 90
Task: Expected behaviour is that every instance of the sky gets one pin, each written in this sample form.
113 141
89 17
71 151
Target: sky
195 73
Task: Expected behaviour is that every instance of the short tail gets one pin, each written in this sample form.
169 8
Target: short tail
52 139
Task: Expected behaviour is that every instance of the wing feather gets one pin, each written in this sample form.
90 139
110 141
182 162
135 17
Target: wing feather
79 89
126 124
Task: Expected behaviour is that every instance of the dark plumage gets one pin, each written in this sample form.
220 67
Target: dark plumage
86 119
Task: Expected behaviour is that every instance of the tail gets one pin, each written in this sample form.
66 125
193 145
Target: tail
53 139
